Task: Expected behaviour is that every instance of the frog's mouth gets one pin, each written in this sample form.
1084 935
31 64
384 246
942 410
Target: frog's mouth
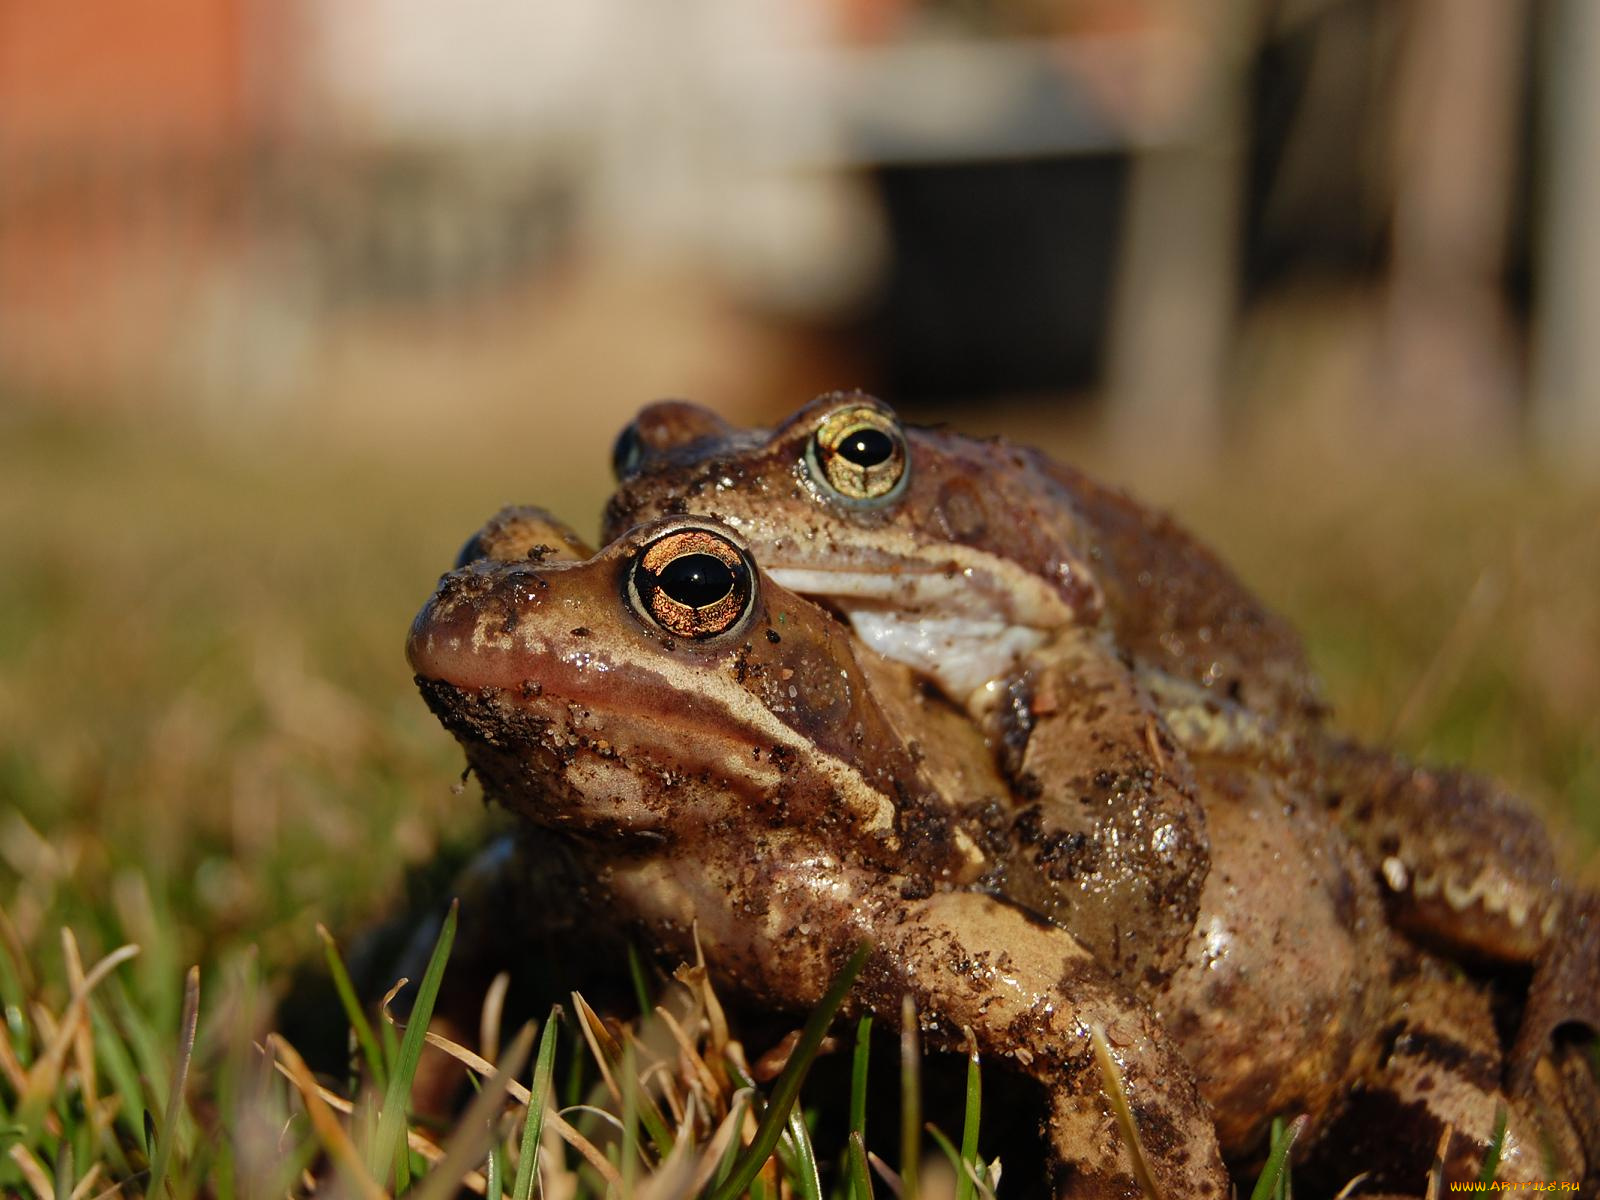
934 622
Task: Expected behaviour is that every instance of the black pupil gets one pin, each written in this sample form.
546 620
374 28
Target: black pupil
696 580
867 447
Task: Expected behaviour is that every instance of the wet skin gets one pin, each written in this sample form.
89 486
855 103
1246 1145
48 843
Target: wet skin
1279 1007
986 566
1115 835
745 783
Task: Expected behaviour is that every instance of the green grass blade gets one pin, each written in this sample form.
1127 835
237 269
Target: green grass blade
641 981
630 1116
910 1099
533 1127
572 1086
352 1009
804 1175
112 1057
1491 1156
477 1128
494 1173
168 1134
969 1128
64 1172
402 1165
730 1152
1274 1178
860 1176
392 1118
858 1078
776 1115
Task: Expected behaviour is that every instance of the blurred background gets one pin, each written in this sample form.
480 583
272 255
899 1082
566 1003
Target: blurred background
293 295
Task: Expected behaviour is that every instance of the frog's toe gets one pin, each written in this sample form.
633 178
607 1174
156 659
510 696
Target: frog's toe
1565 988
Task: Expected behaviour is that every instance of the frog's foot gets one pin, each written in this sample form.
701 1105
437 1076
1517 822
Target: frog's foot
1565 988
1435 1097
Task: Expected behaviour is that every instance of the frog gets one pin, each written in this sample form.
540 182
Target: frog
1119 847
704 744
944 552
1276 1007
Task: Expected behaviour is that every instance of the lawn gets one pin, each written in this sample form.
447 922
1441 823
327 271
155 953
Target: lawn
210 743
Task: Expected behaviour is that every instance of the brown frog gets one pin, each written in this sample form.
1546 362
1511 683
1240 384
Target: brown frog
707 746
1114 837
1277 1007
969 559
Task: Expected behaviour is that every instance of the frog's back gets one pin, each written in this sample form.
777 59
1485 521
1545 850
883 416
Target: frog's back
1176 606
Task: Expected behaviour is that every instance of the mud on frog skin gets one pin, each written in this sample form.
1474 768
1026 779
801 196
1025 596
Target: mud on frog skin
1308 1006
706 744
949 549
981 574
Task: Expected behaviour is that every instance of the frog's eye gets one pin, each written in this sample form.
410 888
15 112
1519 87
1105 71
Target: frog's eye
626 452
692 583
859 454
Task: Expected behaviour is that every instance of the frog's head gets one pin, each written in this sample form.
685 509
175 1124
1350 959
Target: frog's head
662 689
950 553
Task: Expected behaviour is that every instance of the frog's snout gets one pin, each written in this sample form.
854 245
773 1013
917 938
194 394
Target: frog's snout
463 635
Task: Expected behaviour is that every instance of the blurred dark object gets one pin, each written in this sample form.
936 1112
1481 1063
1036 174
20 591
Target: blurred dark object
999 277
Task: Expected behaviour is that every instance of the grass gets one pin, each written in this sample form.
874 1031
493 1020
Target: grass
210 749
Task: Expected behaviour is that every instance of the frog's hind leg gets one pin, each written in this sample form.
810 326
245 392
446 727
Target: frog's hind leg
1436 1090
1466 866
1565 988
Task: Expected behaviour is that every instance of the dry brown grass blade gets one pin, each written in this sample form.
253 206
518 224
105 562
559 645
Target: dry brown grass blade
90 1178
522 1095
602 1046
475 1181
489 1019
476 1129
83 1036
890 1177
16 950
1436 1171
10 1065
388 999
475 1062
46 1071
1111 1082
1455 650
710 1090
672 1178
585 1147
329 1132
35 1174
738 1104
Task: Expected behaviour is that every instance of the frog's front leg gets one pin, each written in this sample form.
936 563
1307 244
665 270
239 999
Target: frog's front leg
1030 994
1027 990
1109 838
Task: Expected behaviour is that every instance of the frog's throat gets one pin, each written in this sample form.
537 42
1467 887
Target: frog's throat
963 638
964 584
967 657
